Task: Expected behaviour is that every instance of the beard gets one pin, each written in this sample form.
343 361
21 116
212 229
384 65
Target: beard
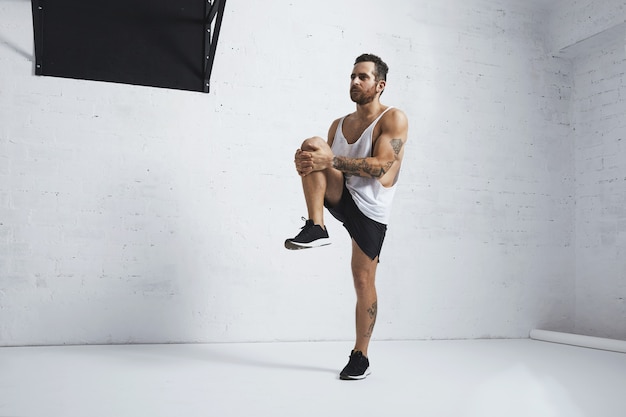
362 97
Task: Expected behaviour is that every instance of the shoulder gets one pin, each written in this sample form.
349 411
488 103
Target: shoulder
332 130
334 125
395 121
395 116
336 121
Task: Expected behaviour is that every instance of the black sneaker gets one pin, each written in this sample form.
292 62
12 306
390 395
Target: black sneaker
311 236
357 368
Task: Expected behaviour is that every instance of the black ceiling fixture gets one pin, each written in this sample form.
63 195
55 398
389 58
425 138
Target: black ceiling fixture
157 43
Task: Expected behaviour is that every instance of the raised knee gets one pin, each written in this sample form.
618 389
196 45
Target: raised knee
313 143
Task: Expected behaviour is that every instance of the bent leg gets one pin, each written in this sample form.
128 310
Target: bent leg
321 185
314 186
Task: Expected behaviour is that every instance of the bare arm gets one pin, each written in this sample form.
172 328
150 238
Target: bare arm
388 149
315 155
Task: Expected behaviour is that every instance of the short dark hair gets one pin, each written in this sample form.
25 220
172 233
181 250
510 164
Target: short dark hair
380 70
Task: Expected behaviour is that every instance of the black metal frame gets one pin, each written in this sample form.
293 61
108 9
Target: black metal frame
213 11
212 22
37 6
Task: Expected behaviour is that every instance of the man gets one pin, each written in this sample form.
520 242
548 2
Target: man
353 174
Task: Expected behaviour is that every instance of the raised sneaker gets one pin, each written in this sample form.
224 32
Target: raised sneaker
311 236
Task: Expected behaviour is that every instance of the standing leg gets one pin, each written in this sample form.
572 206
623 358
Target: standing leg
364 275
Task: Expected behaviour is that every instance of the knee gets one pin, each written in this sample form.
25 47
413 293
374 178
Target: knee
313 143
363 283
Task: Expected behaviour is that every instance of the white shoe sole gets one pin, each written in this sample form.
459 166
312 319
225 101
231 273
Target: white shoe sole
289 244
356 378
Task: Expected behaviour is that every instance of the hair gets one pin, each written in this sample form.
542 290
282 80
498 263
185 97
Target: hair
380 70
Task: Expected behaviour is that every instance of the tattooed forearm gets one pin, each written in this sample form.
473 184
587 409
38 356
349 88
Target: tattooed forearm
348 166
360 167
373 312
370 167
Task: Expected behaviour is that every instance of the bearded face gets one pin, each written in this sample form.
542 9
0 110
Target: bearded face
361 95
363 84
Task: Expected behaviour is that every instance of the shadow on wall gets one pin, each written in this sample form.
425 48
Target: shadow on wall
13 47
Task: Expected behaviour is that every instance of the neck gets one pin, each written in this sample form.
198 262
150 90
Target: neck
370 109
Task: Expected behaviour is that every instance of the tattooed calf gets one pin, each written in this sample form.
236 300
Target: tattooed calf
373 312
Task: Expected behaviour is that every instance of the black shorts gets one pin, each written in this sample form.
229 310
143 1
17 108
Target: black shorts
367 233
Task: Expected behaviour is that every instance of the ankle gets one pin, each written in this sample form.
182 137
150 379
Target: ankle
363 352
318 222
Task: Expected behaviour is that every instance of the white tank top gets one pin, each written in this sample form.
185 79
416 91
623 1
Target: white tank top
371 197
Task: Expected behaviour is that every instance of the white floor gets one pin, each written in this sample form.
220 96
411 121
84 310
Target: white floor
481 378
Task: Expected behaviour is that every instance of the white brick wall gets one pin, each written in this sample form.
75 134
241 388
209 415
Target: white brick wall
591 36
131 214
598 108
576 21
